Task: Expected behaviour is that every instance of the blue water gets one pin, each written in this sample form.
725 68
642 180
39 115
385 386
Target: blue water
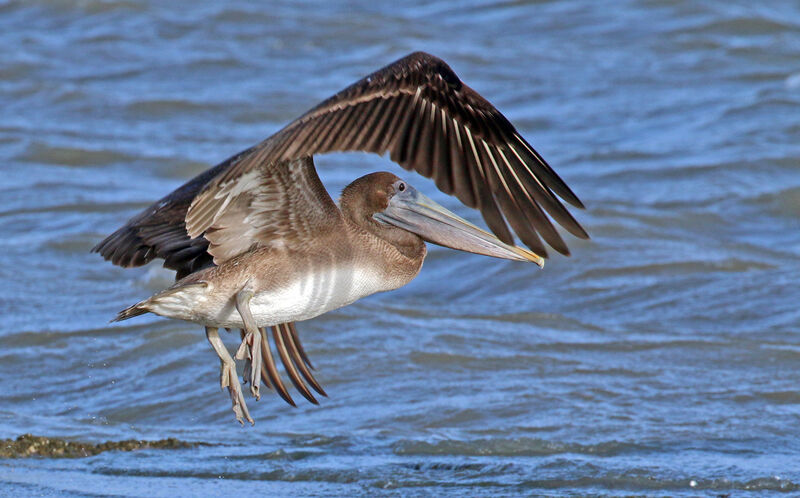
660 359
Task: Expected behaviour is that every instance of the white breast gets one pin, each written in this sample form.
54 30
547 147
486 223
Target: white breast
309 295
315 294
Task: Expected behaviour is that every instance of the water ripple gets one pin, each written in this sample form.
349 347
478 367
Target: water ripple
660 359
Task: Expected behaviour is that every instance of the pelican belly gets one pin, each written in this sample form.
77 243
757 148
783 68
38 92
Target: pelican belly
307 295
316 293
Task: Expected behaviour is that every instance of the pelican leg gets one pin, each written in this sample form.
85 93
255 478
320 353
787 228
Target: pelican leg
228 377
250 349
249 371
247 363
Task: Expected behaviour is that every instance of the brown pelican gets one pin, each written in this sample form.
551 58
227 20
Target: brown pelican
258 243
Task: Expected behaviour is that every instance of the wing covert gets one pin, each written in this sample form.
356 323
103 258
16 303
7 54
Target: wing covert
281 204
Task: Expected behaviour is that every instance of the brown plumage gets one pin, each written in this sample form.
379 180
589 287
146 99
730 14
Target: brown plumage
269 197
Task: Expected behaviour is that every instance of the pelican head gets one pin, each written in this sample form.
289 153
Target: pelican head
389 201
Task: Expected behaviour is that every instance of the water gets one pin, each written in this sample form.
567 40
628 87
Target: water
660 359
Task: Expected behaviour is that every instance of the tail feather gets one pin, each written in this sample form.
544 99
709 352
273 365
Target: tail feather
161 301
131 311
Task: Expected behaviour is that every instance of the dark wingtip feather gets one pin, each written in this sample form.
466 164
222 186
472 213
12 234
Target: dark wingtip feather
280 333
290 338
272 370
549 176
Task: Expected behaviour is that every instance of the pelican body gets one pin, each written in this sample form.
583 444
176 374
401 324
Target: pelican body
257 242
281 294
350 257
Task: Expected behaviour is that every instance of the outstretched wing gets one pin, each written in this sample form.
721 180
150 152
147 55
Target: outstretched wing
160 231
271 205
419 111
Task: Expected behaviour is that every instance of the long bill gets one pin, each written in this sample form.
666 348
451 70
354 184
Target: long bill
415 212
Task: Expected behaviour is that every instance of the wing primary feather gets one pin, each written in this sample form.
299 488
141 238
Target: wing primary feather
411 136
452 176
288 365
264 348
288 339
488 130
176 257
376 112
422 148
141 256
347 127
308 137
531 208
355 126
486 203
543 195
551 177
295 135
494 218
512 211
284 141
475 122
372 112
442 172
387 112
473 176
120 256
272 370
441 143
331 129
404 127
399 112
325 127
300 349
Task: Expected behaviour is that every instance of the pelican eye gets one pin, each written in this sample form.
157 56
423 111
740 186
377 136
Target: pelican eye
401 187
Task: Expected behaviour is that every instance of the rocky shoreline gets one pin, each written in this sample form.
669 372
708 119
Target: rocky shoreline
28 445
